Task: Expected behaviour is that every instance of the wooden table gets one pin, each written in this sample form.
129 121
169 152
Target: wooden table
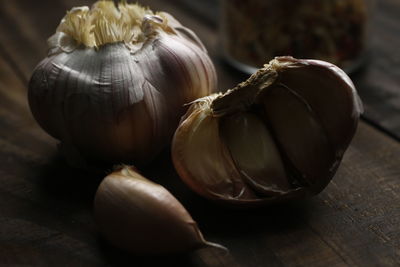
46 207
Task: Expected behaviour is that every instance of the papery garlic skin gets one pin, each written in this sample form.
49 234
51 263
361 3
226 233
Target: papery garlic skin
113 86
142 217
279 135
211 171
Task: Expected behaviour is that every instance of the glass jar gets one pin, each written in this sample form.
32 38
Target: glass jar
255 31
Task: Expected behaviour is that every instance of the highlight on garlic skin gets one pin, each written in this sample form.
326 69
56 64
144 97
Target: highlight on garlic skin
142 217
115 80
279 135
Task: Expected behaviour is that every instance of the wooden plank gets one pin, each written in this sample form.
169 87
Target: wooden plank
23 37
28 233
353 222
378 83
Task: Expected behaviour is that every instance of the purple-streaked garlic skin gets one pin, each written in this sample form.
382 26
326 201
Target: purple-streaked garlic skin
284 131
334 106
120 102
304 76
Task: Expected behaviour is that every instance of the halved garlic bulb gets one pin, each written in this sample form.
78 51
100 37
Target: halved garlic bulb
115 80
281 134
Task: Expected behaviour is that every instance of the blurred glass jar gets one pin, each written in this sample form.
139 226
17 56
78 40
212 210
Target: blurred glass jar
255 31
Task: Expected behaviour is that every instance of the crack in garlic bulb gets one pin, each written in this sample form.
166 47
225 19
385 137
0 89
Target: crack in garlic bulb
279 135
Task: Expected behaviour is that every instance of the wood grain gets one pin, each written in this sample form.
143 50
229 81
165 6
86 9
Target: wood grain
46 207
379 82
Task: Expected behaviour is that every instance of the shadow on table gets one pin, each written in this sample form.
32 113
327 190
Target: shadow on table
63 183
219 223
73 191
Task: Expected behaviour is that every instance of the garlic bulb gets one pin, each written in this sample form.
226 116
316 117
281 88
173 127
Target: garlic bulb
140 216
279 135
113 86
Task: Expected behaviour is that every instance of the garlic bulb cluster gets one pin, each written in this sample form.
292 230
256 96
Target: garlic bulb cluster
113 86
140 216
279 135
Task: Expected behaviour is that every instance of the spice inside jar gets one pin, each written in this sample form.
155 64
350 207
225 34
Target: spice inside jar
255 31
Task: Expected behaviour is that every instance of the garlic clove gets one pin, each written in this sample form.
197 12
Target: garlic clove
205 161
182 31
61 42
142 217
254 152
308 78
299 134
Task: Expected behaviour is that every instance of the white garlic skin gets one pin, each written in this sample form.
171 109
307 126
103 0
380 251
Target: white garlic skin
119 103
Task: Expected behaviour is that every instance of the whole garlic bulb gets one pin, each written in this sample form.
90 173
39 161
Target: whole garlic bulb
114 83
281 134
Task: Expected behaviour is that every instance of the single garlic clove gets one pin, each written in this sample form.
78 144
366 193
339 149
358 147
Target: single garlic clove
214 174
254 152
300 135
311 79
140 216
